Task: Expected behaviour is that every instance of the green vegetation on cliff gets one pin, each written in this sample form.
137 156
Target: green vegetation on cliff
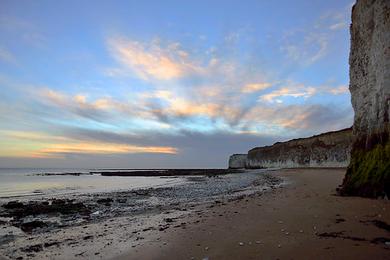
368 174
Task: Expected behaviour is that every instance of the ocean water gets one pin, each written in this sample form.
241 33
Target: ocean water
17 182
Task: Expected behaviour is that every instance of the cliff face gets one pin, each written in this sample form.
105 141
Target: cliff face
237 161
326 150
369 171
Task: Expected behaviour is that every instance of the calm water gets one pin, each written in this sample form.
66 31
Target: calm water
25 182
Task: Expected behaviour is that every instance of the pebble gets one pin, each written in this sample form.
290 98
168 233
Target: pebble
241 243
258 242
280 222
206 248
282 230
279 246
387 243
287 233
301 231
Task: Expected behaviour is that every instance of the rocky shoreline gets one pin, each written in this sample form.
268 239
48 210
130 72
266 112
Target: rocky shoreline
148 172
40 227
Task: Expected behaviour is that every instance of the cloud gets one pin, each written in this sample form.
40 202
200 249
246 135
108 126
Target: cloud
338 26
7 56
292 90
254 87
339 90
168 111
41 145
337 19
309 44
59 149
25 31
152 61
310 118
299 90
306 48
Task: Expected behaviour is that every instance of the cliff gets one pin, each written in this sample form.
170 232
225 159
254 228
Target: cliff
237 161
330 149
369 171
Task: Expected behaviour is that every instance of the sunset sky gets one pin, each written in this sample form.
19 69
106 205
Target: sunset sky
167 83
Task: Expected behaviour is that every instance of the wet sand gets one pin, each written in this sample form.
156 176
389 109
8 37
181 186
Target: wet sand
302 220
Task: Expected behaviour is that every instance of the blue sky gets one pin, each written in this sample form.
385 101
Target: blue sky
167 83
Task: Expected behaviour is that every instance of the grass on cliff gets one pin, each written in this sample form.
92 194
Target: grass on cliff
369 172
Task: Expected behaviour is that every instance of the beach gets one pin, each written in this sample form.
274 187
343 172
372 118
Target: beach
273 214
303 220
91 222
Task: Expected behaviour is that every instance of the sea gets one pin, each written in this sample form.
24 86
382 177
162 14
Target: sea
20 182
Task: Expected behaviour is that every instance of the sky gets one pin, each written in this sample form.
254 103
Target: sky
167 84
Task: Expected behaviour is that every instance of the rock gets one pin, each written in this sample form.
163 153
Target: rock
121 200
87 237
169 220
33 248
369 60
49 244
237 161
56 202
241 243
330 149
34 208
30 226
13 205
106 201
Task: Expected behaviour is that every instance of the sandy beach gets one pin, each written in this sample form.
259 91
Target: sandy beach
298 218
302 220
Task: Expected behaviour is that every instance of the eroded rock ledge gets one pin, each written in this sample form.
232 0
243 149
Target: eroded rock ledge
369 172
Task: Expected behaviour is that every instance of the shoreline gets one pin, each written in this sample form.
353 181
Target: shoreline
302 218
80 225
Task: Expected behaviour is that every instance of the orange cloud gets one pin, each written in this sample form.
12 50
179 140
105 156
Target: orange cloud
254 87
98 148
152 61
180 106
79 101
41 145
